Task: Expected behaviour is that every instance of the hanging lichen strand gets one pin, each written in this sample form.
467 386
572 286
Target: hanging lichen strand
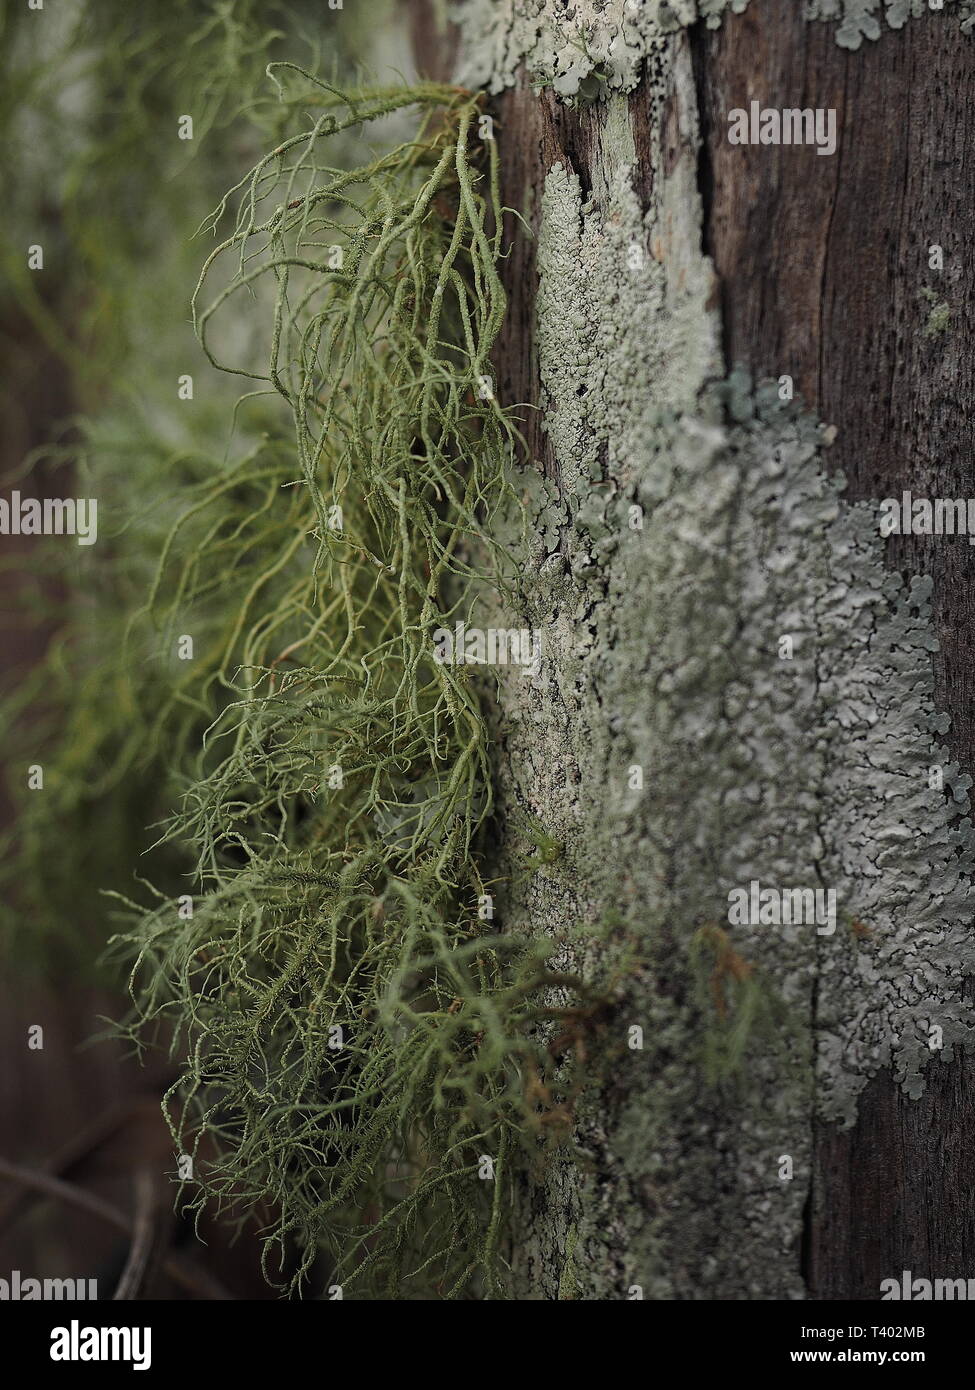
355 1036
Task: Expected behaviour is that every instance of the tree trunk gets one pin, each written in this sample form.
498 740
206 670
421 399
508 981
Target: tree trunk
740 682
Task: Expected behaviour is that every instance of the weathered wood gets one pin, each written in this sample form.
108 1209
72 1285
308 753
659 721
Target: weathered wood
822 264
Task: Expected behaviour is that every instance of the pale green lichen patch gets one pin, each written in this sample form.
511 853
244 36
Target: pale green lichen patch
623 322
811 772
665 584
865 19
568 46
677 747
584 48
939 314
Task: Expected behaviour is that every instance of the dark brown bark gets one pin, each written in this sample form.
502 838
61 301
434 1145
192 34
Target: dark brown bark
822 264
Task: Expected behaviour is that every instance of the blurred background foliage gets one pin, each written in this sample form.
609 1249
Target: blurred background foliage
92 350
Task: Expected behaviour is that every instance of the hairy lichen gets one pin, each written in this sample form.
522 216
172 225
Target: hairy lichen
362 1052
358 1044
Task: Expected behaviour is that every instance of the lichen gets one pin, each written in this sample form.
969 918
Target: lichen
861 19
939 314
595 46
568 1283
694 524
697 524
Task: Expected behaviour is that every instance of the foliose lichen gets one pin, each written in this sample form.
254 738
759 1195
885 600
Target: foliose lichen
588 46
681 749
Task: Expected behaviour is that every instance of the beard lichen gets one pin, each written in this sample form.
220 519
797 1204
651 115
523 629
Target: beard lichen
361 1054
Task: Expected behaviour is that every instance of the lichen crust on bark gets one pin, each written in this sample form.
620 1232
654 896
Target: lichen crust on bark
583 48
695 523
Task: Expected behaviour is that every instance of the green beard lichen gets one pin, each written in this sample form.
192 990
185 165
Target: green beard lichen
357 1039
318 901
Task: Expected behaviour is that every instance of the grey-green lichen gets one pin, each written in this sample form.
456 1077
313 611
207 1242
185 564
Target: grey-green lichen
568 1283
583 47
939 314
862 19
695 525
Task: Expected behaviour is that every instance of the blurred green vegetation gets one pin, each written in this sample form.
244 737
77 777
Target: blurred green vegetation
94 171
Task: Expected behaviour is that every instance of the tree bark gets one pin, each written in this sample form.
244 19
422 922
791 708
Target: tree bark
824 268
783 1127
